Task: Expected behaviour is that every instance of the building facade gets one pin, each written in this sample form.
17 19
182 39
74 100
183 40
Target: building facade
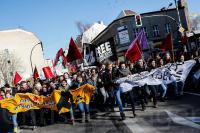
156 25
86 37
26 48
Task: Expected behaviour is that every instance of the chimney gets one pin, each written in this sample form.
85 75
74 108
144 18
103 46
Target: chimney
100 22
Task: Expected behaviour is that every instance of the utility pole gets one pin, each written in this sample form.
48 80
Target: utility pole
179 19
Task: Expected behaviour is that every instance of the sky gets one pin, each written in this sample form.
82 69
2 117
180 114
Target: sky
54 21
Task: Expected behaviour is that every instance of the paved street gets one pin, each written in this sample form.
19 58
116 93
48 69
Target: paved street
172 116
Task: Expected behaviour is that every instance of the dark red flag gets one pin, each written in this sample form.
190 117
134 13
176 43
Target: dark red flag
73 52
47 72
59 53
65 61
35 73
167 44
17 78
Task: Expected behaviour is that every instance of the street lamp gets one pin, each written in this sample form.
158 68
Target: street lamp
32 53
179 19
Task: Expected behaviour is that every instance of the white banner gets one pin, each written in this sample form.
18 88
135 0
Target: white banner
170 72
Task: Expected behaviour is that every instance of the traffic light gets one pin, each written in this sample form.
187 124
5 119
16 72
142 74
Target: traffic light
138 20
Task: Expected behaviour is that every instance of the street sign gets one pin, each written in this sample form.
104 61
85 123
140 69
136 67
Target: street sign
181 29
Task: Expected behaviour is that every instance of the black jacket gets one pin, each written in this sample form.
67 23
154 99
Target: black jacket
109 79
29 90
139 69
76 85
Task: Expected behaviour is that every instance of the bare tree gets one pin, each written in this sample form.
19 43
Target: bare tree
195 22
82 27
9 63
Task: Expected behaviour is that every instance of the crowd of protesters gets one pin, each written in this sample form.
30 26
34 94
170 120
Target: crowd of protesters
107 95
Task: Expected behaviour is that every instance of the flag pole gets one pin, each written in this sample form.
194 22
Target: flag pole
143 31
141 54
172 49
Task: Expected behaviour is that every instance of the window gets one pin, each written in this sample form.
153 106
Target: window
168 28
136 32
156 32
145 31
123 34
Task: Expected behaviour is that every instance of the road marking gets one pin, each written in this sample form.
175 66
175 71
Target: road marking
181 120
132 124
194 119
195 94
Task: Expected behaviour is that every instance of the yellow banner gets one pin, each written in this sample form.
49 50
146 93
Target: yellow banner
83 94
24 102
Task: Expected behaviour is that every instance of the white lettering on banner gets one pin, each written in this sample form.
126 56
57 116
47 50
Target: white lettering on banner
104 51
107 46
169 73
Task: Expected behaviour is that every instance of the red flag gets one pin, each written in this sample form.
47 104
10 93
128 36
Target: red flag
134 51
17 78
47 72
35 73
59 53
167 43
73 69
73 52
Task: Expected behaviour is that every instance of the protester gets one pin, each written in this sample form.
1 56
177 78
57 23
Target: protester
131 67
83 107
160 62
108 79
108 93
65 87
157 57
6 93
152 88
141 90
167 58
93 81
27 117
52 86
2 93
102 93
29 84
123 72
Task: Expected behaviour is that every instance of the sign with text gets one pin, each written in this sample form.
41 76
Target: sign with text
105 50
58 100
164 75
123 35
